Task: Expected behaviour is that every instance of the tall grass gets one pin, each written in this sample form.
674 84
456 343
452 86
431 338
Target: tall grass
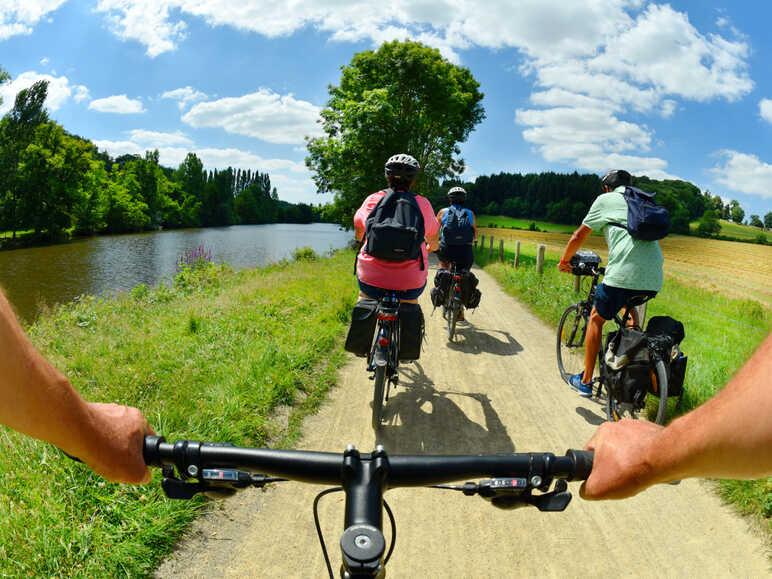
721 334
210 357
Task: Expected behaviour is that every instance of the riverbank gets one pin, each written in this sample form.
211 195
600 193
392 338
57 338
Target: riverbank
229 355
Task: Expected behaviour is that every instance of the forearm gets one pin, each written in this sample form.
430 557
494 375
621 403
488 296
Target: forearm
37 399
728 436
575 243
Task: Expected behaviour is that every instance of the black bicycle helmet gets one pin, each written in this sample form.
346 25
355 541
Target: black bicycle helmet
617 177
457 195
402 166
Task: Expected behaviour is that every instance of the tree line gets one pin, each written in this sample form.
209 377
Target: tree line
566 198
57 184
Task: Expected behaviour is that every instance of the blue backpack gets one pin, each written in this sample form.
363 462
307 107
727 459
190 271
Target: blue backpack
457 228
646 220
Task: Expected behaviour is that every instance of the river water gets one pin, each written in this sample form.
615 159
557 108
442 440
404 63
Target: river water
99 265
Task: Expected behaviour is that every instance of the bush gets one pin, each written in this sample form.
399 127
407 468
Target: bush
761 239
304 254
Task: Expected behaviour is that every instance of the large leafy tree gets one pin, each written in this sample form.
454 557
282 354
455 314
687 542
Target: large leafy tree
768 220
17 131
402 98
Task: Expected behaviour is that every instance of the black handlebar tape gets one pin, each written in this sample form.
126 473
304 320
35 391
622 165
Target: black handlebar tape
150 450
582 463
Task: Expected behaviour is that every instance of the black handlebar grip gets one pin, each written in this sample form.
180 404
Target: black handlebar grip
150 450
582 463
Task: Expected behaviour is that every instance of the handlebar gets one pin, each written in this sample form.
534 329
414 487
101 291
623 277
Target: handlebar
218 467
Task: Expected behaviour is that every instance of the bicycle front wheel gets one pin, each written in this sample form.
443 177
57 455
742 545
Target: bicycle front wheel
570 344
379 393
660 375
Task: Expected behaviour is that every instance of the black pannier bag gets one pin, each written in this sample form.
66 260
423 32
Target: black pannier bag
584 261
411 331
665 335
442 281
626 365
470 295
362 329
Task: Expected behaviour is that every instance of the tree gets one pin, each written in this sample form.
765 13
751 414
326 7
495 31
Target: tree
402 98
709 225
736 212
17 130
756 221
768 220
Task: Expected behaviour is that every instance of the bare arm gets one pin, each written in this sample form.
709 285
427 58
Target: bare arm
577 239
40 402
730 436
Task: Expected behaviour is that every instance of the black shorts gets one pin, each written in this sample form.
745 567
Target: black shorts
609 300
462 255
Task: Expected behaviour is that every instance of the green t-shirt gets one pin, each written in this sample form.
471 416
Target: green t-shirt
632 263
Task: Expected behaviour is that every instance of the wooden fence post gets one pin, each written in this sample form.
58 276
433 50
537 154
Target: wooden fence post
577 283
482 242
501 250
490 251
540 249
475 245
517 254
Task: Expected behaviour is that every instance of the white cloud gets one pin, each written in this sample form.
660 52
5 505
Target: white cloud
614 57
184 96
44 61
118 104
765 108
154 139
263 115
21 16
59 90
744 173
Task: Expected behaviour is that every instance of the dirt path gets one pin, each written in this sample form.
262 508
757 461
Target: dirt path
496 390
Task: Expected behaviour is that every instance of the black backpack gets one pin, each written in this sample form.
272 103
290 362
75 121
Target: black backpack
394 230
457 229
646 220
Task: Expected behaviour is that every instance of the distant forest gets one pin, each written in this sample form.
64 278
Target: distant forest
566 198
57 184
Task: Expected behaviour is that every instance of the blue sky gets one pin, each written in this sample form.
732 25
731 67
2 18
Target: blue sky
679 90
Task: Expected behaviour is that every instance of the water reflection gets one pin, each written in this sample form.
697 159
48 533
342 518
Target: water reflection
58 273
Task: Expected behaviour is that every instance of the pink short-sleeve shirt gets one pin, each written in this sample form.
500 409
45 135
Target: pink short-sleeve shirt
394 275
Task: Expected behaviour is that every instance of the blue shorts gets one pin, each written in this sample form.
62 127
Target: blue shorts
377 293
609 300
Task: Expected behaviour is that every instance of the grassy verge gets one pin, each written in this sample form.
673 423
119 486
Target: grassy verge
721 334
731 231
211 357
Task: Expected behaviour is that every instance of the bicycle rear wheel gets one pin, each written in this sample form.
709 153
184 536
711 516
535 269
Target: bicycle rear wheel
379 393
660 374
452 319
570 343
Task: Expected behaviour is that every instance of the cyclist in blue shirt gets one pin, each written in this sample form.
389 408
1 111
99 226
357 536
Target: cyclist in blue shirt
458 246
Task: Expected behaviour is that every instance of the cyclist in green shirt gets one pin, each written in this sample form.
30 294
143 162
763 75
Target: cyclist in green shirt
634 267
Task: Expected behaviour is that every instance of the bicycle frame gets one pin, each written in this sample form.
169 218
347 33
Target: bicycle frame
364 478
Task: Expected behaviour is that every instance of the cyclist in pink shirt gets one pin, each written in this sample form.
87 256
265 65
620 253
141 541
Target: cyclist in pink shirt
375 275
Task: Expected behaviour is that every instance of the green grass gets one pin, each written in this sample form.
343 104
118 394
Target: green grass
512 223
211 357
737 231
721 334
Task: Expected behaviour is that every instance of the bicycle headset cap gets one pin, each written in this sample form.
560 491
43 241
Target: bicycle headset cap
402 166
457 195
617 177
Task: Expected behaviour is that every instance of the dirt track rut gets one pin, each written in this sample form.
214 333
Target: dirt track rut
496 389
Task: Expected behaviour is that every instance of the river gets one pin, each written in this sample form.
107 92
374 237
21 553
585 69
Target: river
39 276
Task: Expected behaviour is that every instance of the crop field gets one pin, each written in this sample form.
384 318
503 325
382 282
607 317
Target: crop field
741 270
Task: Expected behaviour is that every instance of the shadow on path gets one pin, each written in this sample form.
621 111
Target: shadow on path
473 340
430 422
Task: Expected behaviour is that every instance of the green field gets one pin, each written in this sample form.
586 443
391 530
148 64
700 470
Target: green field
737 231
220 355
512 223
